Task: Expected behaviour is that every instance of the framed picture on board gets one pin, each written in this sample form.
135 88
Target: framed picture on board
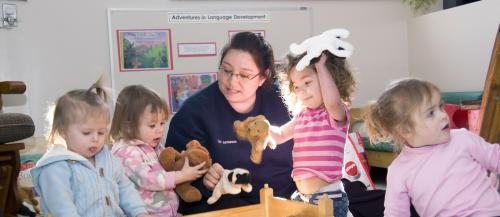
144 49
182 86
261 32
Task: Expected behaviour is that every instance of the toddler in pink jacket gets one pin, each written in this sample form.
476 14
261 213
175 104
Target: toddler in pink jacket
137 128
442 172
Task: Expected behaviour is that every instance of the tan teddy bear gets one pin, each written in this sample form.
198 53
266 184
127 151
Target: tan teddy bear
172 160
256 131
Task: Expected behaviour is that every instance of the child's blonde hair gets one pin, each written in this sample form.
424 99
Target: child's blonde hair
130 105
75 107
392 112
337 67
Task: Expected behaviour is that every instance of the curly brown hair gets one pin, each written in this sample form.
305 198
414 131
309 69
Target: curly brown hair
338 68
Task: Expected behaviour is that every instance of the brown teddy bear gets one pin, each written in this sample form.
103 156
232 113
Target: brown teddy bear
172 160
256 131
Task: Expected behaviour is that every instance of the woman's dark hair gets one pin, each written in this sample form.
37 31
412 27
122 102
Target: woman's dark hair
260 50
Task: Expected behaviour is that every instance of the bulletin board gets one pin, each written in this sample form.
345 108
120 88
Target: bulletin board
148 45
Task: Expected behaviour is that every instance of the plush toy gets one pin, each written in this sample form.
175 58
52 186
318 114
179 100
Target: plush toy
171 160
256 131
30 205
314 46
232 182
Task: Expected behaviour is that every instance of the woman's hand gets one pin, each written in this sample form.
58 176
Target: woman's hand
215 172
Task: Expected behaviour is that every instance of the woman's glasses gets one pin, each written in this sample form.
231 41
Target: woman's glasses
238 76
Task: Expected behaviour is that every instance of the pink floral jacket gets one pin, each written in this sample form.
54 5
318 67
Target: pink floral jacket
154 184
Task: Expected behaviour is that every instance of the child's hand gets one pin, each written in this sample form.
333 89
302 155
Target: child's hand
213 175
188 173
144 215
321 62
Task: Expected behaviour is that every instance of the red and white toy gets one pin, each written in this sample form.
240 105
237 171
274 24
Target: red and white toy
355 164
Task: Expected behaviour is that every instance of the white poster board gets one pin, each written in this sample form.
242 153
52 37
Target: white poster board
204 29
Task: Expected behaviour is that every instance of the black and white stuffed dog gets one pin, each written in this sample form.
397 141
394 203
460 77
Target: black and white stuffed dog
232 182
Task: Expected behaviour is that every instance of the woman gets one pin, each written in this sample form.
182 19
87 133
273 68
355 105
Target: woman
244 88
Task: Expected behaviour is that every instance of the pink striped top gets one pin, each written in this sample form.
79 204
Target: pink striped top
319 142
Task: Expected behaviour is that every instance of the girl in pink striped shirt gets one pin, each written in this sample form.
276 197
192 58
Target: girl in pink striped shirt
317 96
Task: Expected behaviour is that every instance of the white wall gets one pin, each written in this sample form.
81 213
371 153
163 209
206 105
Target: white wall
452 48
63 44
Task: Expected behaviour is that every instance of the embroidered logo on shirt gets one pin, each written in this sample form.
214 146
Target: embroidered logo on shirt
226 141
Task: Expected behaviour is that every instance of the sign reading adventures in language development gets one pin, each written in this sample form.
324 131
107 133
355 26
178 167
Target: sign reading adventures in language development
219 17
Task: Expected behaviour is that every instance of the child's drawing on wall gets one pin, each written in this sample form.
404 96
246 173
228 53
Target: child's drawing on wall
141 50
182 86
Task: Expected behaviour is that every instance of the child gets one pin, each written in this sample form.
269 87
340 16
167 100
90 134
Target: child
78 176
442 172
320 92
137 129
